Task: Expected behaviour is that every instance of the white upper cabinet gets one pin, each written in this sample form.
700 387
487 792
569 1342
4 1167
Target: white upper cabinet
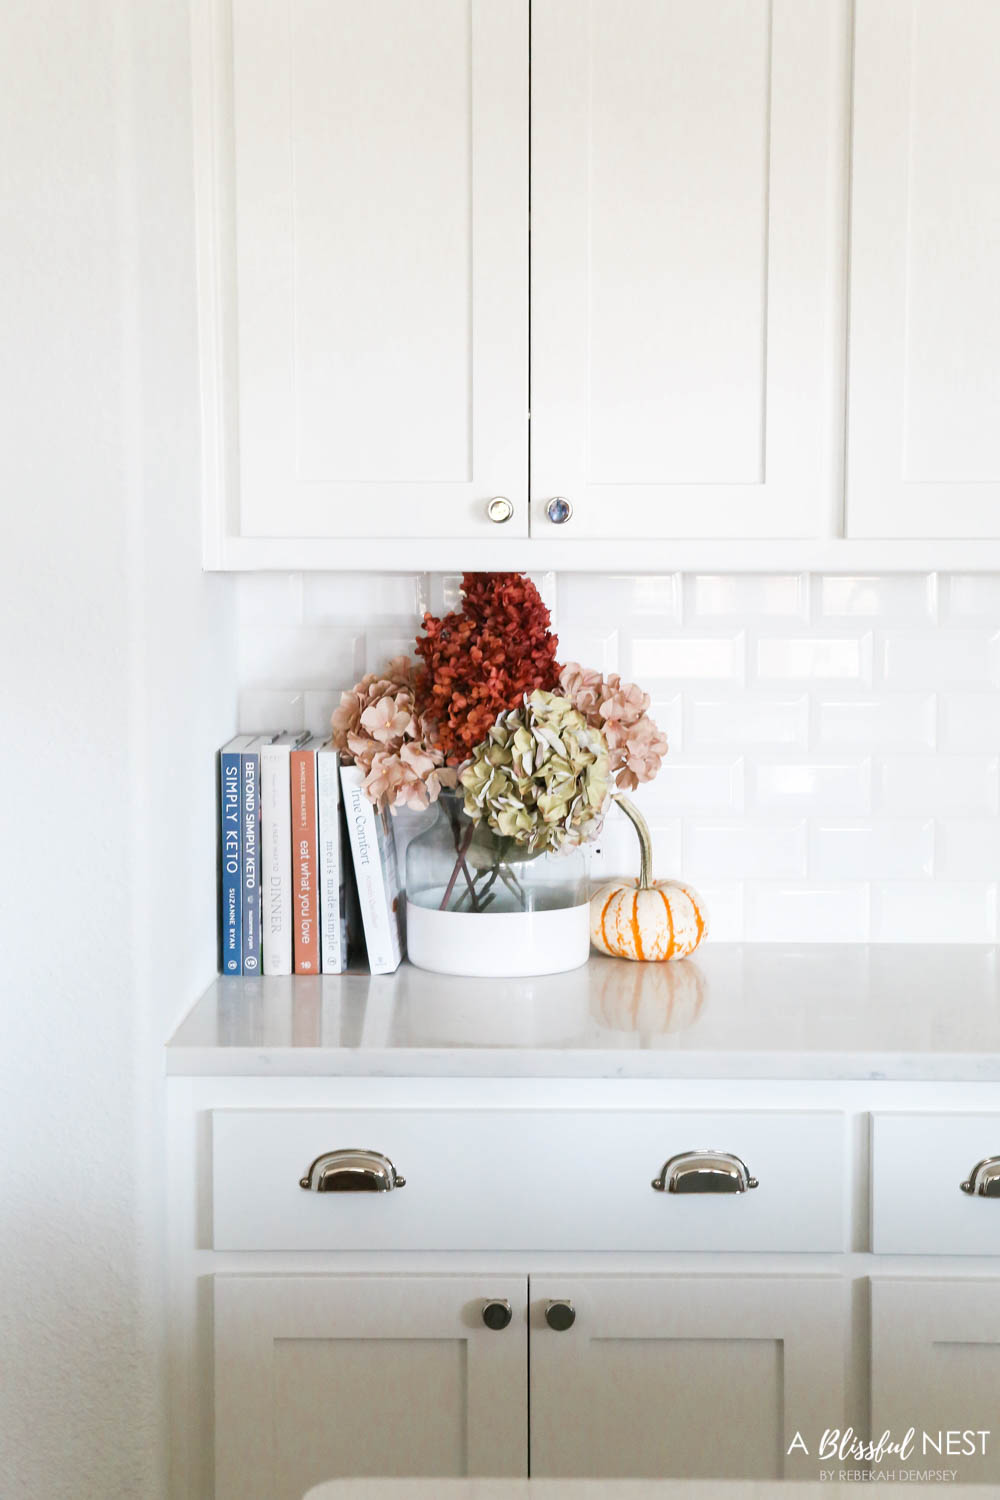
924 380
364 174
686 272
370 196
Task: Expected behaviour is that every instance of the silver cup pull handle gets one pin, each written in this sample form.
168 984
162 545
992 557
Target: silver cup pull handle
704 1172
351 1170
984 1179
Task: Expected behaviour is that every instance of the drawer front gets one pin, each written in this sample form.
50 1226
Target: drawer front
919 1162
527 1179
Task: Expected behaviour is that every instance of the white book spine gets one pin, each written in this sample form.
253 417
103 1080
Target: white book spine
374 864
276 859
333 957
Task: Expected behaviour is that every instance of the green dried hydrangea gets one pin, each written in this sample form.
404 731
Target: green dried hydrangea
541 776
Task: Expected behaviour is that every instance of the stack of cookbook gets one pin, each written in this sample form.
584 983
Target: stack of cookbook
307 865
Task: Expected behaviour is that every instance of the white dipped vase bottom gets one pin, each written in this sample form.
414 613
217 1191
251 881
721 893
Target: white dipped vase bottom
498 944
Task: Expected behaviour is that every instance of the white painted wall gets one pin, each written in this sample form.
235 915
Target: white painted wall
112 640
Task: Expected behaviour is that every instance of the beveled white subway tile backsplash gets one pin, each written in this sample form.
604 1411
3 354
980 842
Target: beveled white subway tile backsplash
834 772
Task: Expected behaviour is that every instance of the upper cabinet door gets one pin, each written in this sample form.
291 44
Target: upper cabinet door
376 284
687 266
924 375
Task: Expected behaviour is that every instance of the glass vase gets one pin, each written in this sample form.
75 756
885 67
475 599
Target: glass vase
481 904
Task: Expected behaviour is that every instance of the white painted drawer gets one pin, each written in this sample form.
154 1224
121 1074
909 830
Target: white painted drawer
919 1162
527 1179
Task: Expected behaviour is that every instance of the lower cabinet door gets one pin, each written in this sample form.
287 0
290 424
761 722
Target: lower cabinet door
685 1376
936 1368
318 1377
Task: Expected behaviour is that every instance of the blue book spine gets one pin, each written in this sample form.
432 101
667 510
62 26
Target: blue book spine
250 859
231 915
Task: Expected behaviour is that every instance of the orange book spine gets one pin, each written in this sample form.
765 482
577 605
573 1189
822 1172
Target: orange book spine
305 880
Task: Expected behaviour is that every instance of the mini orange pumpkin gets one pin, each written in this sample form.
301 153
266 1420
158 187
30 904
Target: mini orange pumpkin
646 919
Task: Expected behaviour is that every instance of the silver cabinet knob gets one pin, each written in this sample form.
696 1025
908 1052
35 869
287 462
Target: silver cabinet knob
499 509
497 1313
560 1315
984 1179
351 1170
704 1172
559 510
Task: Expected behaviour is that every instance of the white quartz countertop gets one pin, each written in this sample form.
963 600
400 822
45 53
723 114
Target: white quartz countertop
843 1011
614 1489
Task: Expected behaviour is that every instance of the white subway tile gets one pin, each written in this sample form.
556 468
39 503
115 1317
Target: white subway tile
263 708
933 911
709 596
901 596
668 715
722 903
269 598
886 721
382 644
939 658
591 646
970 721
884 849
813 658
937 785
360 596
691 658
746 719
319 707
968 849
805 913
306 656
584 595
971 596
709 787
734 850
820 788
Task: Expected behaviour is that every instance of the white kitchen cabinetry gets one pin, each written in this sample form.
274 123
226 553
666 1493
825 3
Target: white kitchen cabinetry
686 266
363 183
318 1376
936 1368
484 1179
923 452
364 201
649 1377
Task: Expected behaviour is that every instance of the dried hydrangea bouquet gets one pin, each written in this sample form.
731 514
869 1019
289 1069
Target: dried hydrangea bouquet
522 757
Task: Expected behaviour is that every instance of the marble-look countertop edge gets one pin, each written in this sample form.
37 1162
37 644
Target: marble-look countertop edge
479 1062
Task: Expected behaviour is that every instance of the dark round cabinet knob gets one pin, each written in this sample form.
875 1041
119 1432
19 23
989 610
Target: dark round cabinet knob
560 1315
497 1314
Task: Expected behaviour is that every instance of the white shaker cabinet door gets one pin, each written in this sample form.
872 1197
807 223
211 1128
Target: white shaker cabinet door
687 266
321 1377
935 1367
685 1377
372 252
923 450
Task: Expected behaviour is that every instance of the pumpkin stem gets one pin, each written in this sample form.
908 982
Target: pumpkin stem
641 827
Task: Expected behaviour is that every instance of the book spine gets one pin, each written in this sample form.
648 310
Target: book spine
304 872
250 860
332 913
276 860
379 906
231 903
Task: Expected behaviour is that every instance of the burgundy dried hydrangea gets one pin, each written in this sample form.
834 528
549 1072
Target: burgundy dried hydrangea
481 660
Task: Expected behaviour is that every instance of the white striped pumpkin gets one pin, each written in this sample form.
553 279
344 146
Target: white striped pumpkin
655 922
646 919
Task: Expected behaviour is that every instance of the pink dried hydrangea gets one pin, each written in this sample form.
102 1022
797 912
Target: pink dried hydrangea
377 727
620 710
